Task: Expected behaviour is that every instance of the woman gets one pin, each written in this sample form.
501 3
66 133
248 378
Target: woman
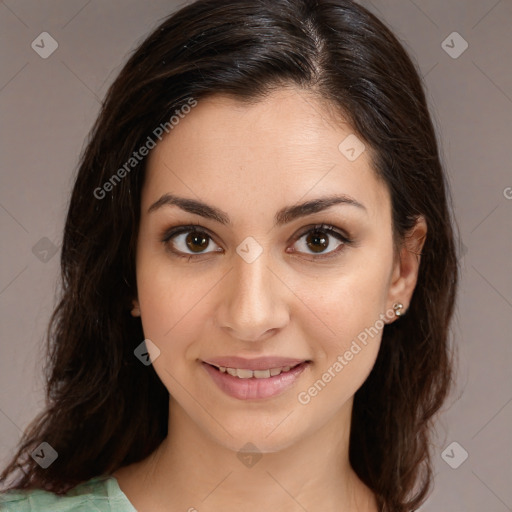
258 276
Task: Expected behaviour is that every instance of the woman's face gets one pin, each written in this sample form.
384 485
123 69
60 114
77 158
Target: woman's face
266 328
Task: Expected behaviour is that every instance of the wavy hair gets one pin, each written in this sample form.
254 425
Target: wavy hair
105 410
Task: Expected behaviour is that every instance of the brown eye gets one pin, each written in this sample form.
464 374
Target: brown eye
197 241
320 238
188 241
316 241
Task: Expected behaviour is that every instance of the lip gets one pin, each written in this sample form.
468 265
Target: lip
253 388
259 363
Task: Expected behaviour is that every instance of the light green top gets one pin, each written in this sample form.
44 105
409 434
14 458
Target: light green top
99 494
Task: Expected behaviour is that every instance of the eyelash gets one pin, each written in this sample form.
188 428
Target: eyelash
322 228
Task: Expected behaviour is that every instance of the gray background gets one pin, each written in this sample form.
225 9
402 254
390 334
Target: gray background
47 107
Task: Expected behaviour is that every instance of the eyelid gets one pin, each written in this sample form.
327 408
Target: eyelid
330 229
186 228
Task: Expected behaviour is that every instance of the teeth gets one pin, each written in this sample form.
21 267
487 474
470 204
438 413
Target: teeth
243 373
262 374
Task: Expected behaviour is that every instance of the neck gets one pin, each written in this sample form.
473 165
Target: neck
192 471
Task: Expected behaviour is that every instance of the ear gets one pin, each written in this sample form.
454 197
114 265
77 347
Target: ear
136 308
406 266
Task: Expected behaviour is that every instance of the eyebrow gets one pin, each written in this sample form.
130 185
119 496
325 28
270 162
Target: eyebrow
283 216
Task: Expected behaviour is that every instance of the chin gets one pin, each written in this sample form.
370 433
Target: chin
267 437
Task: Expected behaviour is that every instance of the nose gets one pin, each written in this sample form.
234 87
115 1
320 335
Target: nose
253 305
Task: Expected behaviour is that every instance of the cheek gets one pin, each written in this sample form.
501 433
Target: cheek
346 352
344 322
341 307
168 306
174 306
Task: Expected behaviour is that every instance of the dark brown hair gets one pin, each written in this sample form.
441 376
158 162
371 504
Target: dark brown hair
104 408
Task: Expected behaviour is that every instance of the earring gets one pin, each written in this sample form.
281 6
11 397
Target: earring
397 307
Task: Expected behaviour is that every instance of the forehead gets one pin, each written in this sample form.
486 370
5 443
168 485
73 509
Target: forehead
282 148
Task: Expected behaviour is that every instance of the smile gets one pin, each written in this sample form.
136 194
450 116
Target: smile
255 384
244 373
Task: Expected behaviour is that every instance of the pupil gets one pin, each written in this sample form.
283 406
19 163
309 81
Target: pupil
193 241
318 239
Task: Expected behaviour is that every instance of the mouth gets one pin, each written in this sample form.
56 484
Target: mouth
243 383
245 373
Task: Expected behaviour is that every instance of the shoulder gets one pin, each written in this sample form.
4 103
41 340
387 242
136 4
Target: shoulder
101 494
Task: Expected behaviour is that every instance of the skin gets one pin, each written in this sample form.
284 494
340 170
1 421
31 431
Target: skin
250 161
